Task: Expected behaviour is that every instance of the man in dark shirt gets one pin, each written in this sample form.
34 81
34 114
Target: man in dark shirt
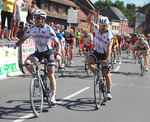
70 40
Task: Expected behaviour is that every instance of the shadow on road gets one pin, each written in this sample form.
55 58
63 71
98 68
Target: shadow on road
15 112
127 73
82 104
23 108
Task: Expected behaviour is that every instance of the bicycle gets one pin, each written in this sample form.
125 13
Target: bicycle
67 55
111 59
39 88
100 86
60 69
142 62
85 64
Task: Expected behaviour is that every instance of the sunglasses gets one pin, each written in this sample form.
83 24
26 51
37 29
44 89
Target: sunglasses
103 26
37 18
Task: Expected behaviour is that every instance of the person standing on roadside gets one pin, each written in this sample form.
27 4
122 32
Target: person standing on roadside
8 11
31 9
16 20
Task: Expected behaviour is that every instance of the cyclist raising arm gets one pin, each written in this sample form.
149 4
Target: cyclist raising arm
103 46
43 36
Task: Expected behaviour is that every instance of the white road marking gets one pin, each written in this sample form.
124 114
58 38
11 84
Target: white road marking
72 95
24 117
130 85
118 67
119 62
60 101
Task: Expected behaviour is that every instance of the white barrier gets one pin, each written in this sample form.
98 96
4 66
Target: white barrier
9 62
9 58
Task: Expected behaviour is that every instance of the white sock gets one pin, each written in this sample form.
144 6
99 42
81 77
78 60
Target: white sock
53 93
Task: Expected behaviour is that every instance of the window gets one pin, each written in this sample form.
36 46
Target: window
112 27
53 7
46 6
64 10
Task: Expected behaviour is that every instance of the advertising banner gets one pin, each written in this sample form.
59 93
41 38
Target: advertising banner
27 49
9 62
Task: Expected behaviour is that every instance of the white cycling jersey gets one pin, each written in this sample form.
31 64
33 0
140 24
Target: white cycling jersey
101 40
43 37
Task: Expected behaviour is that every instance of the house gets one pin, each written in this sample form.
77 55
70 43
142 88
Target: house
85 7
57 11
118 21
142 20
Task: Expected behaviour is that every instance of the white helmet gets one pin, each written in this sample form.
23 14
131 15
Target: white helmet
40 12
103 21
141 39
128 35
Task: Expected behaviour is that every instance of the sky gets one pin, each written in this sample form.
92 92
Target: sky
136 2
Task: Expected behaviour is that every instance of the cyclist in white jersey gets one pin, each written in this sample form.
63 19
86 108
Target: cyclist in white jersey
43 36
103 45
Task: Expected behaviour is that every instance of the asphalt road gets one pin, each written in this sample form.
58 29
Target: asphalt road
75 99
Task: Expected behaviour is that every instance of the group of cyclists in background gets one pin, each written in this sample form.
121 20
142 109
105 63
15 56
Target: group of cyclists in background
101 44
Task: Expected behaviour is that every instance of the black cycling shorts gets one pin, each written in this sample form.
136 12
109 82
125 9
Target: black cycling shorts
98 56
47 54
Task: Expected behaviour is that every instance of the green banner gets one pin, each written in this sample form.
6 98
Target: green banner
8 68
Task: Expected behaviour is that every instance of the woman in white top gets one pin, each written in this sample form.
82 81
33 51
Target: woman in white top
16 19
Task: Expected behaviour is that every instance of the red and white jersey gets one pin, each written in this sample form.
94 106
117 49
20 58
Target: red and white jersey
101 40
43 37
142 45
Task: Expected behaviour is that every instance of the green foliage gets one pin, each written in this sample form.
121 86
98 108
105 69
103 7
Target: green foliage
128 11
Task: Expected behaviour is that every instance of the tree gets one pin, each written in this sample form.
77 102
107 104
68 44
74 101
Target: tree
128 11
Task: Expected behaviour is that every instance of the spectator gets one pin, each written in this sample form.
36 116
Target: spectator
16 20
58 28
26 27
8 7
51 24
78 35
31 9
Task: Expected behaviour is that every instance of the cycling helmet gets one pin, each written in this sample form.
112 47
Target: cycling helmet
40 13
148 35
103 21
135 34
128 35
142 35
85 30
119 34
67 32
140 39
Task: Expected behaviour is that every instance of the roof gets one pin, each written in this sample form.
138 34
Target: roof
113 13
118 13
65 2
144 8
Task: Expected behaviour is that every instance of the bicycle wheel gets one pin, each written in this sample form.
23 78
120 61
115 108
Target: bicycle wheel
104 90
86 68
36 96
61 69
66 60
49 96
142 66
97 91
